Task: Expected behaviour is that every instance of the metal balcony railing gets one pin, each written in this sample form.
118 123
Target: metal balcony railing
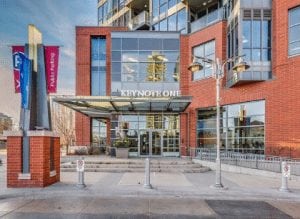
140 20
249 160
207 20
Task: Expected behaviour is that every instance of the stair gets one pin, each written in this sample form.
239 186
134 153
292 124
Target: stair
137 165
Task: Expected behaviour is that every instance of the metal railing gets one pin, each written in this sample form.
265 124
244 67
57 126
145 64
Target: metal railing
139 20
249 160
208 19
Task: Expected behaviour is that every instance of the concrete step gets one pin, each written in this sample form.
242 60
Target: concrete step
183 166
123 170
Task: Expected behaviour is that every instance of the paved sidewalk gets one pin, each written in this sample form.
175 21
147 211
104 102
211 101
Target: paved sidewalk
174 195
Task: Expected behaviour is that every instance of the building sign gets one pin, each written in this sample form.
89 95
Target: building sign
80 165
16 50
51 66
150 93
286 169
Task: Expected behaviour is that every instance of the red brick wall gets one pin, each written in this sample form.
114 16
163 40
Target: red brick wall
14 160
39 161
281 94
83 73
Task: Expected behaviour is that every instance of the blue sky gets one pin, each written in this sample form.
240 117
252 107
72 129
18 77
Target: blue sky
56 19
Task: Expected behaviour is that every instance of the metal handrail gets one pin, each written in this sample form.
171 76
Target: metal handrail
249 160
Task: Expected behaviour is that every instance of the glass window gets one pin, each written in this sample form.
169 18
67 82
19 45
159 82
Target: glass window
206 50
129 44
163 25
256 33
182 18
171 44
172 3
242 127
99 133
294 31
150 44
98 66
116 44
257 40
172 23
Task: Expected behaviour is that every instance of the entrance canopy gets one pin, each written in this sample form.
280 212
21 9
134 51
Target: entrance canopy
102 106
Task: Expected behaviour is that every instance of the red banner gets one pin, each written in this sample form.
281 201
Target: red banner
51 66
16 65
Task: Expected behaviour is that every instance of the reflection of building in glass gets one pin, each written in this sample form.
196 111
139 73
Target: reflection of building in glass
156 68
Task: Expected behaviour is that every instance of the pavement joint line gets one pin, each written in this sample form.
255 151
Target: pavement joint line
19 207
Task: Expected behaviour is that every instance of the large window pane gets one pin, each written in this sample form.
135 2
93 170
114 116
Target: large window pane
266 34
98 66
294 31
256 34
129 44
242 127
182 17
206 50
294 16
246 33
163 25
172 23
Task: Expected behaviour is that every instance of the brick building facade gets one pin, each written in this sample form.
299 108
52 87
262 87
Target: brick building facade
279 92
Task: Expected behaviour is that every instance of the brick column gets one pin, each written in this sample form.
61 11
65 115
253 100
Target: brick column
41 174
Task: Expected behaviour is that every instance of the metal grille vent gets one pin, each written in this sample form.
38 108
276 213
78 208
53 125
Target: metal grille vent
247 14
267 14
257 14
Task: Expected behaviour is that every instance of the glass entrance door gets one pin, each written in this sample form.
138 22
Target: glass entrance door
144 143
156 143
150 142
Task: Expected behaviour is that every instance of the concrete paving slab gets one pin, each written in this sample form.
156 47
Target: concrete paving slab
249 181
11 204
246 209
157 179
56 205
134 206
180 206
290 208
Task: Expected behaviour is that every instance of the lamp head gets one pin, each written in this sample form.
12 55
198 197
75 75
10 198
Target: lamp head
241 66
195 66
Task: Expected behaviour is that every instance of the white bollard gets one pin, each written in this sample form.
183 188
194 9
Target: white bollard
285 169
147 184
80 170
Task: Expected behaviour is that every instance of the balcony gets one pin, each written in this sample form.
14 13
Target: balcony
248 77
207 20
140 22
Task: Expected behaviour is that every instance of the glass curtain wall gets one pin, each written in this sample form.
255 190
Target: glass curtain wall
242 127
173 22
145 63
98 66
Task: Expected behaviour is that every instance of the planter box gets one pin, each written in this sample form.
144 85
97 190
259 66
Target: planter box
122 152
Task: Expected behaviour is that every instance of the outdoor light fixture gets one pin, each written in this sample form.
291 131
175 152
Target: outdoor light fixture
195 66
241 66
218 73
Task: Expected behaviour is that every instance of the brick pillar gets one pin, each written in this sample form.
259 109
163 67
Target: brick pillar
41 174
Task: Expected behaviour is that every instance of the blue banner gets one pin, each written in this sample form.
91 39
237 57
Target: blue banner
25 79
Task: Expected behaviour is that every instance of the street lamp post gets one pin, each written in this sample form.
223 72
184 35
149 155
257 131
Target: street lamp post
218 74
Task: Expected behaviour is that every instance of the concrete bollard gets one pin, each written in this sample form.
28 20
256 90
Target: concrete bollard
285 169
147 184
80 170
